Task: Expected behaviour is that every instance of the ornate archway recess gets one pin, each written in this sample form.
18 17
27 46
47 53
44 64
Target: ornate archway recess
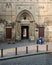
23 14
25 19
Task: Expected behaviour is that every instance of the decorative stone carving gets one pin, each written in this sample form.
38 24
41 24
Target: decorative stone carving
19 7
2 20
19 21
8 5
31 21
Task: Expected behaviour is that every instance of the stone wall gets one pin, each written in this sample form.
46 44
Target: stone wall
41 11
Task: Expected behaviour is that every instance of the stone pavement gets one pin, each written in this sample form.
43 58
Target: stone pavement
9 49
12 44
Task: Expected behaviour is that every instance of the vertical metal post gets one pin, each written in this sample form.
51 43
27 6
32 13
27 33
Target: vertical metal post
46 47
26 50
1 52
16 51
37 48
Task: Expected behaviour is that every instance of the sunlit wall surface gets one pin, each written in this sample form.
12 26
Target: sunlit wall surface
37 14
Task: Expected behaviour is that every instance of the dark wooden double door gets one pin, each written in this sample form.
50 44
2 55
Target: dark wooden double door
41 31
8 33
24 32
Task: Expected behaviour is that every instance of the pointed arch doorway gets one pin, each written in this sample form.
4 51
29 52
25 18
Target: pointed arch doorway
25 22
24 32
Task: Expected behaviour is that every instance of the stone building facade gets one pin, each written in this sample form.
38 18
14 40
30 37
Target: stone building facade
25 19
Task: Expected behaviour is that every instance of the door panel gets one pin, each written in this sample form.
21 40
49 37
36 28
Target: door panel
8 33
41 31
24 32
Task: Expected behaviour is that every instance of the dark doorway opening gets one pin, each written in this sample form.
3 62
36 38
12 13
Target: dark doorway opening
8 33
24 32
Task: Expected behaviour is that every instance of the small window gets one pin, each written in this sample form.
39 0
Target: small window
24 17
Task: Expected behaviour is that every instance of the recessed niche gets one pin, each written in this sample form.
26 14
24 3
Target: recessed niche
19 7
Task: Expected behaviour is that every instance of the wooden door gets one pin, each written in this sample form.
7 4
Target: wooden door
8 33
41 31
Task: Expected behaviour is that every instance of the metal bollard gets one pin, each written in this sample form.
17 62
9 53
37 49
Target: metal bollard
37 48
46 47
26 50
16 51
1 52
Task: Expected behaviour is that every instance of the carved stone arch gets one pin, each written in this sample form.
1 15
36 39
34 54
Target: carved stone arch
25 13
26 24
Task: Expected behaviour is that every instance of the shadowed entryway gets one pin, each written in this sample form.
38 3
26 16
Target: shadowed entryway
25 25
24 32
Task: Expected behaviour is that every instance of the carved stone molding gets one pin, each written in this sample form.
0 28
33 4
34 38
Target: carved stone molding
31 21
19 21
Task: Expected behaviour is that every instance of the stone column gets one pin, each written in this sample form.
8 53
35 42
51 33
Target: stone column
32 31
18 31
